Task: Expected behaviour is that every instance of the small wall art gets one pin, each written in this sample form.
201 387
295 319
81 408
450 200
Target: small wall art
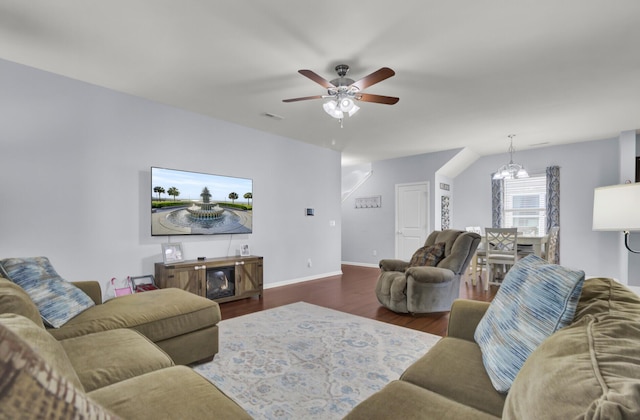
369 202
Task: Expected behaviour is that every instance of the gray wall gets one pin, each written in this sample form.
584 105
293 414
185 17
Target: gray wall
584 166
367 230
75 181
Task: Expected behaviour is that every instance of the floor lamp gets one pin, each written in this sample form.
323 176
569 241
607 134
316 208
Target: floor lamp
617 208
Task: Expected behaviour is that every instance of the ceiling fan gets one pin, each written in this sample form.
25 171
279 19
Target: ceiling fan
342 92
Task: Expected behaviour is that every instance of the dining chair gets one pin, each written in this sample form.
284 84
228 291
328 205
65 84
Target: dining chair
501 247
524 250
477 263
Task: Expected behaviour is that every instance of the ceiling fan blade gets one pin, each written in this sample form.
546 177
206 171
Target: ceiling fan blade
373 78
316 78
379 99
302 99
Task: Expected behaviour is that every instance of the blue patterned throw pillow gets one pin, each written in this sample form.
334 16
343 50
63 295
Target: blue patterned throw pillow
535 300
57 300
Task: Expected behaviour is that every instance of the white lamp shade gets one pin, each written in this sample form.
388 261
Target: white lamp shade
617 208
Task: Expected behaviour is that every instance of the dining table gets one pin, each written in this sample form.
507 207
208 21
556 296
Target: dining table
537 244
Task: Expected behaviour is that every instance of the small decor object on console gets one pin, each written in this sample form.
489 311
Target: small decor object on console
172 252
143 284
121 287
244 250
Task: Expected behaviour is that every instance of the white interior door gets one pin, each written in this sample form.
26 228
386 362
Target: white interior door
412 218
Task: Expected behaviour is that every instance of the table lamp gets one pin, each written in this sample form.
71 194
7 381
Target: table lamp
617 208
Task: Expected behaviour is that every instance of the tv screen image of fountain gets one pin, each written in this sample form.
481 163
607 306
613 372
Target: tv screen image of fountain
196 203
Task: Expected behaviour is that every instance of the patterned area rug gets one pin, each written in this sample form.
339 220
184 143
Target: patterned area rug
303 361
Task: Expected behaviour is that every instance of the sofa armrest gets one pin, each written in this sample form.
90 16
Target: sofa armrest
91 288
426 274
464 318
393 265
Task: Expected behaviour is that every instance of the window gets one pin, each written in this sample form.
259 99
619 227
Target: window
524 205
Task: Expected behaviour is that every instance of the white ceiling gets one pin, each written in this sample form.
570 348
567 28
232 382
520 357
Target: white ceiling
468 72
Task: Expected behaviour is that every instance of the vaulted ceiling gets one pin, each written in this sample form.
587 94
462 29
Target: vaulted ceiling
468 72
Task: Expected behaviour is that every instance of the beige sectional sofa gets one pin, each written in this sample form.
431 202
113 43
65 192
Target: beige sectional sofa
104 365
180 323
589 369
116 359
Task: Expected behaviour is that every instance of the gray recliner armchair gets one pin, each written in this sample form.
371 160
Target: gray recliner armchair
423 289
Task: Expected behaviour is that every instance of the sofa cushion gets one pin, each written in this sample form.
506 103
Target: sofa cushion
50 350
104 358
403 400
14 300
590 369
453 368
57 300
448 236
177 392
535 300
428 255
602 295
158 315
28 384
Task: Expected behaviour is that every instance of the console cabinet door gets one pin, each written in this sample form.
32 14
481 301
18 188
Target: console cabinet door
249 277
191 279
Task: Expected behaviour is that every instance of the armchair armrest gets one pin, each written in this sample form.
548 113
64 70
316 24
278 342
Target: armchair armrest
464 318
91 288
427 274
393 265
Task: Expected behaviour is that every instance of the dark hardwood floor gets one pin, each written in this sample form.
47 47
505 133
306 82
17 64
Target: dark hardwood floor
352 292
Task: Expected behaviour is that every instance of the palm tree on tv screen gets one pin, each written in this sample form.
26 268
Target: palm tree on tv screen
174 192
233 196
248 196
158 190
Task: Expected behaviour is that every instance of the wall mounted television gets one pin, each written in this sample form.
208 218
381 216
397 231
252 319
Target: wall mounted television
195 203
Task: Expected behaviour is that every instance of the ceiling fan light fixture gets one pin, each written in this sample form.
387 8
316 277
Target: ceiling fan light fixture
331 108
343 91
346 104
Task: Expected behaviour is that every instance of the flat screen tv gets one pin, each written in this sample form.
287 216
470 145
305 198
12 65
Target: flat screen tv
194 203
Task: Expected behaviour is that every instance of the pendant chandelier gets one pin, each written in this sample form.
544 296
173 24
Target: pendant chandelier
511 170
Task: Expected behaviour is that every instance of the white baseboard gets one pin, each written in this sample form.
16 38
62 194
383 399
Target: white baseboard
302 279
361 264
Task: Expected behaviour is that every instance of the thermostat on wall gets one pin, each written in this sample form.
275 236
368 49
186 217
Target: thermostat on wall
309 212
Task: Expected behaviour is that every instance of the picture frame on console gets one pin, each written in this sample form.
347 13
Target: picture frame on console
172 252
244 250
